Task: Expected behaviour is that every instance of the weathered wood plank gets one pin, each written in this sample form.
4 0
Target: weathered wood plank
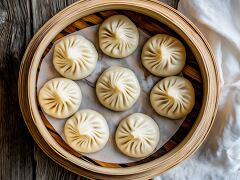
16 145
47 169
43 10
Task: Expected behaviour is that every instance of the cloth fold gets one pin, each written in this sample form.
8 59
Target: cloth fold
219 156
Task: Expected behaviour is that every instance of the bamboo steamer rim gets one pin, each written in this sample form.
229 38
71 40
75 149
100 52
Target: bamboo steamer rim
174 20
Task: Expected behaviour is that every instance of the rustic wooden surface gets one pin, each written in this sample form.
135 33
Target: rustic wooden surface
20 157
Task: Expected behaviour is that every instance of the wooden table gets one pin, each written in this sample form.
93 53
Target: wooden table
20 157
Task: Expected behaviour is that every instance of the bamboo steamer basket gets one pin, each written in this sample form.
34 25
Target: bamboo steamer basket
153 17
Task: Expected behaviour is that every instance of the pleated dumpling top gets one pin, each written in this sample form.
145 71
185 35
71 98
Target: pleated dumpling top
137 135
60 97
163 55
118 88
118 36
86 131
75 57
173 97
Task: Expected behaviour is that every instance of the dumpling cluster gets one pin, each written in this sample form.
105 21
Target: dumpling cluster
86 131
60 97
163 55
118 88
75 57
173 97
137 135
118 36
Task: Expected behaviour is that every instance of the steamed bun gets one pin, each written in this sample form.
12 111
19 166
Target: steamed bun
86 131
60 97
173 97
75 57
163 55
137 135
118 36
117 88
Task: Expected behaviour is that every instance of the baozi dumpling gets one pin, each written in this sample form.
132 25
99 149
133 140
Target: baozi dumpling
60 97
137 135
163 55
118 88
86 131
173 97
118 36
75 57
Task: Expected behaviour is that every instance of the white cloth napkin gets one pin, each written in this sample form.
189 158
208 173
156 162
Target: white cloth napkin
219 157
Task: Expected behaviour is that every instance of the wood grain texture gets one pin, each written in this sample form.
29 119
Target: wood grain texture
20 157
16 145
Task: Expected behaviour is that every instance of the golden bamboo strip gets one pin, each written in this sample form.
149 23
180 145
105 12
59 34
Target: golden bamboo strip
93 19
191 72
